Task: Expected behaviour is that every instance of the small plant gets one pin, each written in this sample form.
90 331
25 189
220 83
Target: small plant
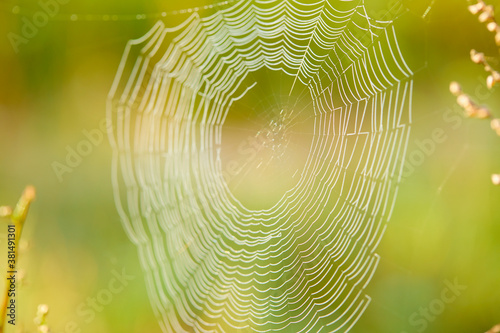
41 317
17 217
494 329
486 15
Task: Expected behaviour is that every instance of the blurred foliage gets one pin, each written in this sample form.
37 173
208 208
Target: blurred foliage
446 223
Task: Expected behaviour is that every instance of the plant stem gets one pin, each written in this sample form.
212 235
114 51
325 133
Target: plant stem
17 216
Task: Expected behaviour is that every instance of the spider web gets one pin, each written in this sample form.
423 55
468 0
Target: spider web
212 263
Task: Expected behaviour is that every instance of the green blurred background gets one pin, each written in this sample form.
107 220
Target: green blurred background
445 227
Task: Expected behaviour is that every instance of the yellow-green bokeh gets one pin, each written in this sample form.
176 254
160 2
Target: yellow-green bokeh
446 223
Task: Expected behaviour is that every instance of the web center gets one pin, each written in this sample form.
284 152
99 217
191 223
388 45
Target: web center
266 139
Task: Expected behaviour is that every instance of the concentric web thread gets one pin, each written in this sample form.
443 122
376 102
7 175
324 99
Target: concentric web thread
211 263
